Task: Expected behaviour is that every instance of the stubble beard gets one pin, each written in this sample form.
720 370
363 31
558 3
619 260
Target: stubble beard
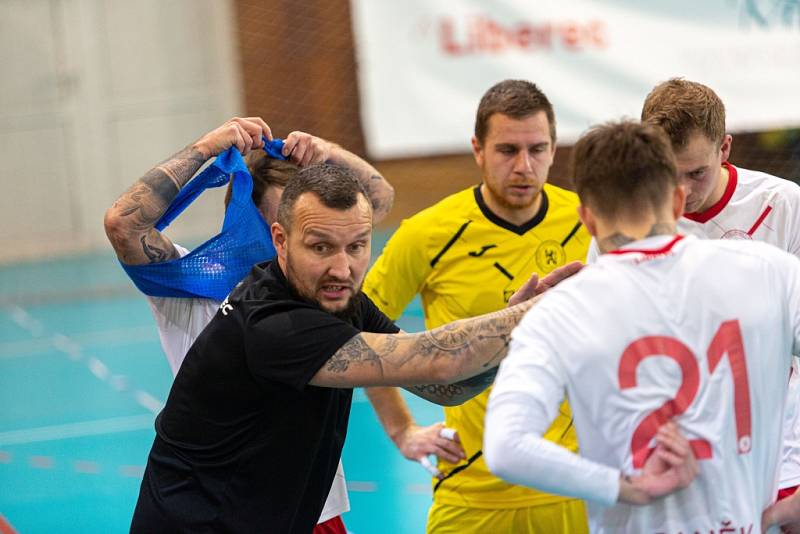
346 314
501 199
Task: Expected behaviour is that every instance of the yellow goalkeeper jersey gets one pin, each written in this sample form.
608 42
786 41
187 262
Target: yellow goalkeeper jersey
466 261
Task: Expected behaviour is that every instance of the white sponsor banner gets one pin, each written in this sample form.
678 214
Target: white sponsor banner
424 64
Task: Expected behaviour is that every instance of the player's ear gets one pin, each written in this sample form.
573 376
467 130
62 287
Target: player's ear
725 148
477 151
279 239
587 218
678 201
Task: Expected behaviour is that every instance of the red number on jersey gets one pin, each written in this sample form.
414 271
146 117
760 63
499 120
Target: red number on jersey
727 340
672 348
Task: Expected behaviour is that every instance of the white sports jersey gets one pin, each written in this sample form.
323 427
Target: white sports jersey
758 206
669 327
179 322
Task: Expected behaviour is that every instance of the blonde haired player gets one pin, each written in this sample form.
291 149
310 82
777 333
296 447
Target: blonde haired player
724 201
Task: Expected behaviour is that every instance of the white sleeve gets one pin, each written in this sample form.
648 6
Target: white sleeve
792 273
593 253
180 321
524 401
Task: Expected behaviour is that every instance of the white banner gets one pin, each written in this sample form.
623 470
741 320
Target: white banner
424 64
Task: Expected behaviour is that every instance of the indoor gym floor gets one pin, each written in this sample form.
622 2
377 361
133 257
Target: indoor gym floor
82 377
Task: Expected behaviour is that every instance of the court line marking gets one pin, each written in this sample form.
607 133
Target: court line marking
366 486
74 351
77 430
110 337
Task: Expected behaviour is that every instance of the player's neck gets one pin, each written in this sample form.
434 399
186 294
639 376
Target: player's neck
515 215
621 233
719 190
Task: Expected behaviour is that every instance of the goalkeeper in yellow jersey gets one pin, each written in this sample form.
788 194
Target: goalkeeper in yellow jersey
465 256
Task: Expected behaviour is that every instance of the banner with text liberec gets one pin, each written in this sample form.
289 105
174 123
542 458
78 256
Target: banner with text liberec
424 64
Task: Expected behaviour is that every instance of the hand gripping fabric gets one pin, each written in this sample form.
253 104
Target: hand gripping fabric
214 268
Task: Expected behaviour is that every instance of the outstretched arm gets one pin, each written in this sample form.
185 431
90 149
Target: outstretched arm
460 392
305 149
450 353
130 221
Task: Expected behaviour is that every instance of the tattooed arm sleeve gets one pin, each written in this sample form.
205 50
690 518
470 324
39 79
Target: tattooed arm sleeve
457 393
130 221
450 354
380 191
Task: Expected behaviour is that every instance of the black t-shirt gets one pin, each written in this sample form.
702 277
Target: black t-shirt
244 444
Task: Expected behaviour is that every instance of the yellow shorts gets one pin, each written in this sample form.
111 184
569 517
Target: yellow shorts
568 517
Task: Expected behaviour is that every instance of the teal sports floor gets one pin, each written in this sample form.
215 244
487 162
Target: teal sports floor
82 377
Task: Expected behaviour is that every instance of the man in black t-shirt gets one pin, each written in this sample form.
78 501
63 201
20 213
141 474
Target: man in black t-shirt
254 425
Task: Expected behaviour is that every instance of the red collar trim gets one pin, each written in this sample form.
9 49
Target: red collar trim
649 252
712 212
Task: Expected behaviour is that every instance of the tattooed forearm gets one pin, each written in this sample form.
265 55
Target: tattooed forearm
458 393
381 193
451 355
150 196
618 239
354 351
131 219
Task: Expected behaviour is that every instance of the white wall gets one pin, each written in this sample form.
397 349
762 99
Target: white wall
92 94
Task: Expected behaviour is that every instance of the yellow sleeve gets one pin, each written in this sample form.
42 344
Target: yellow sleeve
400 271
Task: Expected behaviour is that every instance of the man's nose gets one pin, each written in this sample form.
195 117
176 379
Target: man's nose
340 266
523 163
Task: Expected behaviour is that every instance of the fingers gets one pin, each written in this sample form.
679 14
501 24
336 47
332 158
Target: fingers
559 275
526 291
238 136
675 450
670 437
266 131
449 433
449 450
305 149
253 129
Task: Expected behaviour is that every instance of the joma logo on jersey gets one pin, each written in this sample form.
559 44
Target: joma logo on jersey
549 255
482 251
225 307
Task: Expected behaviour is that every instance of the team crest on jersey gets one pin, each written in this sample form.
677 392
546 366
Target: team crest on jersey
736 234
549 255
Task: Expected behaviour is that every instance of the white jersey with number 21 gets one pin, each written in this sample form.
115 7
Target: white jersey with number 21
700 332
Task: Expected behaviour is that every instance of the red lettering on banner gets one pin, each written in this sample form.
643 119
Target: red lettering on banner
483 35
727 528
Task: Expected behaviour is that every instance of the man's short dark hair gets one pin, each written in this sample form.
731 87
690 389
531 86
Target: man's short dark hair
519 99
623 167
336 187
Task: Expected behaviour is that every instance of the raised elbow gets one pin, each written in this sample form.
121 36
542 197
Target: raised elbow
114 226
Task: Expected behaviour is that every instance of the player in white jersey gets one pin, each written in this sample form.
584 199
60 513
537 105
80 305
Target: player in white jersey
728 202
663 327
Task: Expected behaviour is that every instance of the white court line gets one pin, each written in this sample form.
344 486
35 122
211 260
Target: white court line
77 430
148 401
73 350
366 486
71 345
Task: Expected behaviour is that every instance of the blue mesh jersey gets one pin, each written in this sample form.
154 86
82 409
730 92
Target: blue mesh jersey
214 268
